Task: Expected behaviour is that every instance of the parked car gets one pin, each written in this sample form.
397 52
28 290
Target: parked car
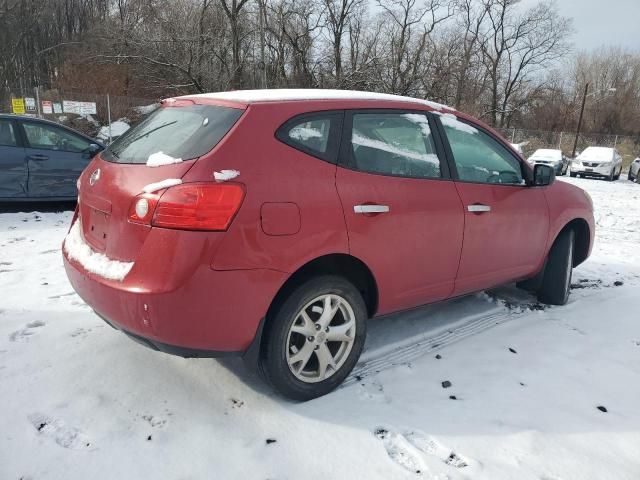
634 170
41 160
597 162
554 158
273 223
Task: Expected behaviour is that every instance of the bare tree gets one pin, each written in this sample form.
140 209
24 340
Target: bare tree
515 45
233 11
411 23
338 13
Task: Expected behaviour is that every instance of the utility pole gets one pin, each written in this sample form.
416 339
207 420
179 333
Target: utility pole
109 115
263 65
584 99
37 90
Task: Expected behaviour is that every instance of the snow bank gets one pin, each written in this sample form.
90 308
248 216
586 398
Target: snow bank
93 261
224 175
91 120
154 187
119 127
159 159
146 109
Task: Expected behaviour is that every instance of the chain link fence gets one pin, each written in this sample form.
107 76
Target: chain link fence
531 140
101 116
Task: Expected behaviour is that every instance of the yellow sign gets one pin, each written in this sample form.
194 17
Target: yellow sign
17 105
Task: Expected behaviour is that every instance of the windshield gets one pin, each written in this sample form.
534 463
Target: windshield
184 132
597 153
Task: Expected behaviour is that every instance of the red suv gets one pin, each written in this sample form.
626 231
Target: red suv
272 224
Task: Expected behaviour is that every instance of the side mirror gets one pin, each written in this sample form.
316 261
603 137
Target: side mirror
543 175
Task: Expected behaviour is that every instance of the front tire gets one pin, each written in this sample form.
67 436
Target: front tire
612 175
315 338
556 282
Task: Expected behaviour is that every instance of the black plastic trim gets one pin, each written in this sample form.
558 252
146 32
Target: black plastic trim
172 349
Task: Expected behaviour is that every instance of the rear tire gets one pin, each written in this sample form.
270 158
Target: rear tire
556 282
298 358
573 175
630 176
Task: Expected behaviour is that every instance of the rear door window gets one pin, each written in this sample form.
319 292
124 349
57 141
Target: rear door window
395 143
184 132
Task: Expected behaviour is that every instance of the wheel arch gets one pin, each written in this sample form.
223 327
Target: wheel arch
351 268
582 239
345 265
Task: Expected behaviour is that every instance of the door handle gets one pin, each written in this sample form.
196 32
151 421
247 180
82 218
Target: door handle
478 208
371 208
38 157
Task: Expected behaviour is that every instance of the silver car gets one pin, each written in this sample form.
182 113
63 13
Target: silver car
634 170
597 162
551 157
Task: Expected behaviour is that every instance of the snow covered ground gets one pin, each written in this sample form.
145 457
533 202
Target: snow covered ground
531 392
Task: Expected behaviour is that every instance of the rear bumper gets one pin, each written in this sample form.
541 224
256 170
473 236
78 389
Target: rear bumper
194 311
171 349
595 171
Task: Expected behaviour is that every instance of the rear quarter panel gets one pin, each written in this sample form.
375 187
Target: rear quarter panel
280 179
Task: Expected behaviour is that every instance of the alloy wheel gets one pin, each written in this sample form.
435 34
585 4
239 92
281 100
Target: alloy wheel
320 338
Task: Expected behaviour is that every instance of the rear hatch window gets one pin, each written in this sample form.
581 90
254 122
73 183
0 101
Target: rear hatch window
183 132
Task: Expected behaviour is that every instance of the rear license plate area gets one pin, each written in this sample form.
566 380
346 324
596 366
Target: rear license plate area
97 228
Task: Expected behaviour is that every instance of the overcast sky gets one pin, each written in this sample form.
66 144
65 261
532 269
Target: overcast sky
602 22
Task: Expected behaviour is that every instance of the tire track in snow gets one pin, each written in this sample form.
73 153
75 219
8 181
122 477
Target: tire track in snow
411 349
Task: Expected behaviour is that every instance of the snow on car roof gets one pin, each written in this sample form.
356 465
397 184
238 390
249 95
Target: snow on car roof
290 94
546 153
597 152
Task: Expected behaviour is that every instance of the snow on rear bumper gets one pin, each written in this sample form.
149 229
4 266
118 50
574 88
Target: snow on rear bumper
172 296
98 263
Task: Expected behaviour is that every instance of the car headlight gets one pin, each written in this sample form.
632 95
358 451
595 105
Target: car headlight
605 164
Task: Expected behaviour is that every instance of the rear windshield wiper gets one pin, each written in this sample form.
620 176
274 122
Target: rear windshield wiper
151 131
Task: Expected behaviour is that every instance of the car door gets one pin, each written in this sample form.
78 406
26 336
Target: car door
506 221
13 168
402 211
55 159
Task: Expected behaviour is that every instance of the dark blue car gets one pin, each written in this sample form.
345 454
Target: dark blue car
41 160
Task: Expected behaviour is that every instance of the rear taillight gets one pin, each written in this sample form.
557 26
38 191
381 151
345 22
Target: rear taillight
197 206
